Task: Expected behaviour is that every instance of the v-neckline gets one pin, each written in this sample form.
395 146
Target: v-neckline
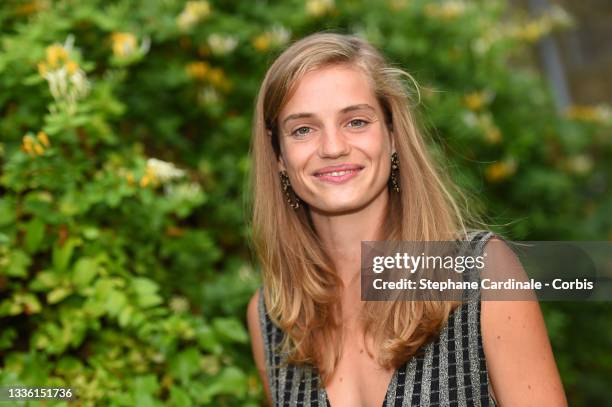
393 378
452 315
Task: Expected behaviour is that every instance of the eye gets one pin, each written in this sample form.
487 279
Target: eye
299 133
360 123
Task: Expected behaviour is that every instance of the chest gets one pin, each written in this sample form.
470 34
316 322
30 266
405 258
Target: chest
358 380
448 371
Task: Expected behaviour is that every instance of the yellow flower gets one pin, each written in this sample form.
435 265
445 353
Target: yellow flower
56 54
475 100
124 44
493 135
262 42
28 144
39 149
42 69
397 5
72 67
317 8
145 180
198 70
43 138
193 12
531 32
500 170
446 11
277 36
594 114
217 77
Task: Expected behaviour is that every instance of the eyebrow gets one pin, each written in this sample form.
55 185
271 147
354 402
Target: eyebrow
344 110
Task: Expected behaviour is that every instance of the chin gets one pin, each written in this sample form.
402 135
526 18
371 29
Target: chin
337 207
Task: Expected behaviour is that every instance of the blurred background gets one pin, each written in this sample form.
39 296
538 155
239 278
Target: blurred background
124 134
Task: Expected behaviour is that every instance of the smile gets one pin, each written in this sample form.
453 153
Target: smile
339 174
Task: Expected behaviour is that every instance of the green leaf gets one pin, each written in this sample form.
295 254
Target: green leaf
7 211
31 303
18 263
144 285
35 232
7 336
44 281
144 389
208 340
85 269
115 302
230 329
62 254
231 381
58 294
179 397
185 364
146 292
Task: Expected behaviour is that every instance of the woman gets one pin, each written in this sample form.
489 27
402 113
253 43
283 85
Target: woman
337 160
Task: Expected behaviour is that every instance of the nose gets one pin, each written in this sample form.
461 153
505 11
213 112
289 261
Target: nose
333 144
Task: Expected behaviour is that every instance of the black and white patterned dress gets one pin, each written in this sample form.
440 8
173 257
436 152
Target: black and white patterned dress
450 371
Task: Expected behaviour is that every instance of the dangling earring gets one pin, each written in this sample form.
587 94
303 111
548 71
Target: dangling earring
292 199
394 178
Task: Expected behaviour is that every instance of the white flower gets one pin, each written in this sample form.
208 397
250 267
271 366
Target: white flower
190 192
208 95
222 44
470 119
163 171
279 34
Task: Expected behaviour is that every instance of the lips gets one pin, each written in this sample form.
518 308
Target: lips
337 168
338 173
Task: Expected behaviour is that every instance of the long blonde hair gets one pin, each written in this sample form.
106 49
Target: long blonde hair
301 288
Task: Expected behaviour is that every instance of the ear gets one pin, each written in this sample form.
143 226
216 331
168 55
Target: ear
392 141
281 163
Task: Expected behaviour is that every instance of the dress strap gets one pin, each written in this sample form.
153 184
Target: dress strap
477 241
272 335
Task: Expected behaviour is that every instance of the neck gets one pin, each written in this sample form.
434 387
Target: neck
342 234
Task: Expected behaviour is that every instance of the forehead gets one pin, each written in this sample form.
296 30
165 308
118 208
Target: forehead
328 90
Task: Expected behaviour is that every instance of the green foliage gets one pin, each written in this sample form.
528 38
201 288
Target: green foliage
126 277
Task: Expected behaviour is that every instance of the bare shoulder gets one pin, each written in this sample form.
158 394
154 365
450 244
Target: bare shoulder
253 312
255 329
519 356
257 344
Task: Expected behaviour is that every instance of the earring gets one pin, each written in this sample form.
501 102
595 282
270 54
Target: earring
394 178
292 199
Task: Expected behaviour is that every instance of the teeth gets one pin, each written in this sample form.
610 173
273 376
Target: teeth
337 173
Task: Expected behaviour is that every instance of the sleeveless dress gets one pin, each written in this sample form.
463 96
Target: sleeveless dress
449 371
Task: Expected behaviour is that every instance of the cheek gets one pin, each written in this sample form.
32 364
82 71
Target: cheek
378 148
296 156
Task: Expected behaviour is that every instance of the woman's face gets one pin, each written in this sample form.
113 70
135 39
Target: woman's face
334 143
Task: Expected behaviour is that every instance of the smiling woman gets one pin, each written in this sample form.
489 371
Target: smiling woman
337 160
